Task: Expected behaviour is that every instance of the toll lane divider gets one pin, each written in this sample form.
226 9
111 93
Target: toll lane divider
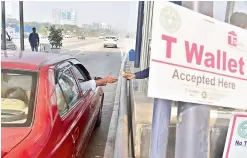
117 144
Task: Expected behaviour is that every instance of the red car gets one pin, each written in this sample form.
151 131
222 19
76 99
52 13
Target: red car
44 112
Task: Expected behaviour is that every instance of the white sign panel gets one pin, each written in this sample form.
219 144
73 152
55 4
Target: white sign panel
236 140
196 58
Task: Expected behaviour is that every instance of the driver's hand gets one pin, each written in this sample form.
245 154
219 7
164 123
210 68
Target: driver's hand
110 79
128 76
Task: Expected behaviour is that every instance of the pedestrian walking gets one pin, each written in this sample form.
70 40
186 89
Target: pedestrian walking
34 40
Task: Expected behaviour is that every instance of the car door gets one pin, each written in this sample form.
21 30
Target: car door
94 96
75 115
88 95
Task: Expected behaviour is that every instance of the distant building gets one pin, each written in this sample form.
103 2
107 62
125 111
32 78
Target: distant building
73 17
96 26
105 26
87 26
56 16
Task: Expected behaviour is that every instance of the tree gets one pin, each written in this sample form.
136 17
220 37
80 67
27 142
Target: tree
43 30
72 29
55 37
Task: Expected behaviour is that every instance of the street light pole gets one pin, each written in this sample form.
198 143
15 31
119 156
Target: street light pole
139 33
21 25
3 26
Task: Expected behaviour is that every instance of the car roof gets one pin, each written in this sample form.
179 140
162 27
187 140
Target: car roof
27 60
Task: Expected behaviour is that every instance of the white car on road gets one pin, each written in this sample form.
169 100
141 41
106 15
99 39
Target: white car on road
67 36
110 41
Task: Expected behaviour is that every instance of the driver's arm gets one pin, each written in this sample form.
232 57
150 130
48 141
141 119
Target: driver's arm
92 84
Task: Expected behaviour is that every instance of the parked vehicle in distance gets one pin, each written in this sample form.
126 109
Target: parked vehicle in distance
10 45
81 37
67 36
101 37
44 112
110 41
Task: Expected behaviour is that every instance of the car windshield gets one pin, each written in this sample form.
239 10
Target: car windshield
18 97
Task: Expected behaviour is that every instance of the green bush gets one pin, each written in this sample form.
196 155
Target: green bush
55 37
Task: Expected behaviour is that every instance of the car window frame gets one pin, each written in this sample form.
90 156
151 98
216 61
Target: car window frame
80 71
62 66
84 93
81 67
32 103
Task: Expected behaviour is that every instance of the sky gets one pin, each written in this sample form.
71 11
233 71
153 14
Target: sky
220 8
119 14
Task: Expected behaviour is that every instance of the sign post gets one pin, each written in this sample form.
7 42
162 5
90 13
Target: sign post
3 44
193 62
160 128
192 131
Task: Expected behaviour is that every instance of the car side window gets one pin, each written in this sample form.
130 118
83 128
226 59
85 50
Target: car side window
69 87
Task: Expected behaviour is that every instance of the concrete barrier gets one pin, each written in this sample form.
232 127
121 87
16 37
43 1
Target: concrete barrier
120 140
117 140
121 145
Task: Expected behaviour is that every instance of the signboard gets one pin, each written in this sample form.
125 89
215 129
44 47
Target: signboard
63 15
236 140
69 15
196 58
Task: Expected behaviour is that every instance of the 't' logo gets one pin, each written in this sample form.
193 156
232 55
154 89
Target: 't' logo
232 38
